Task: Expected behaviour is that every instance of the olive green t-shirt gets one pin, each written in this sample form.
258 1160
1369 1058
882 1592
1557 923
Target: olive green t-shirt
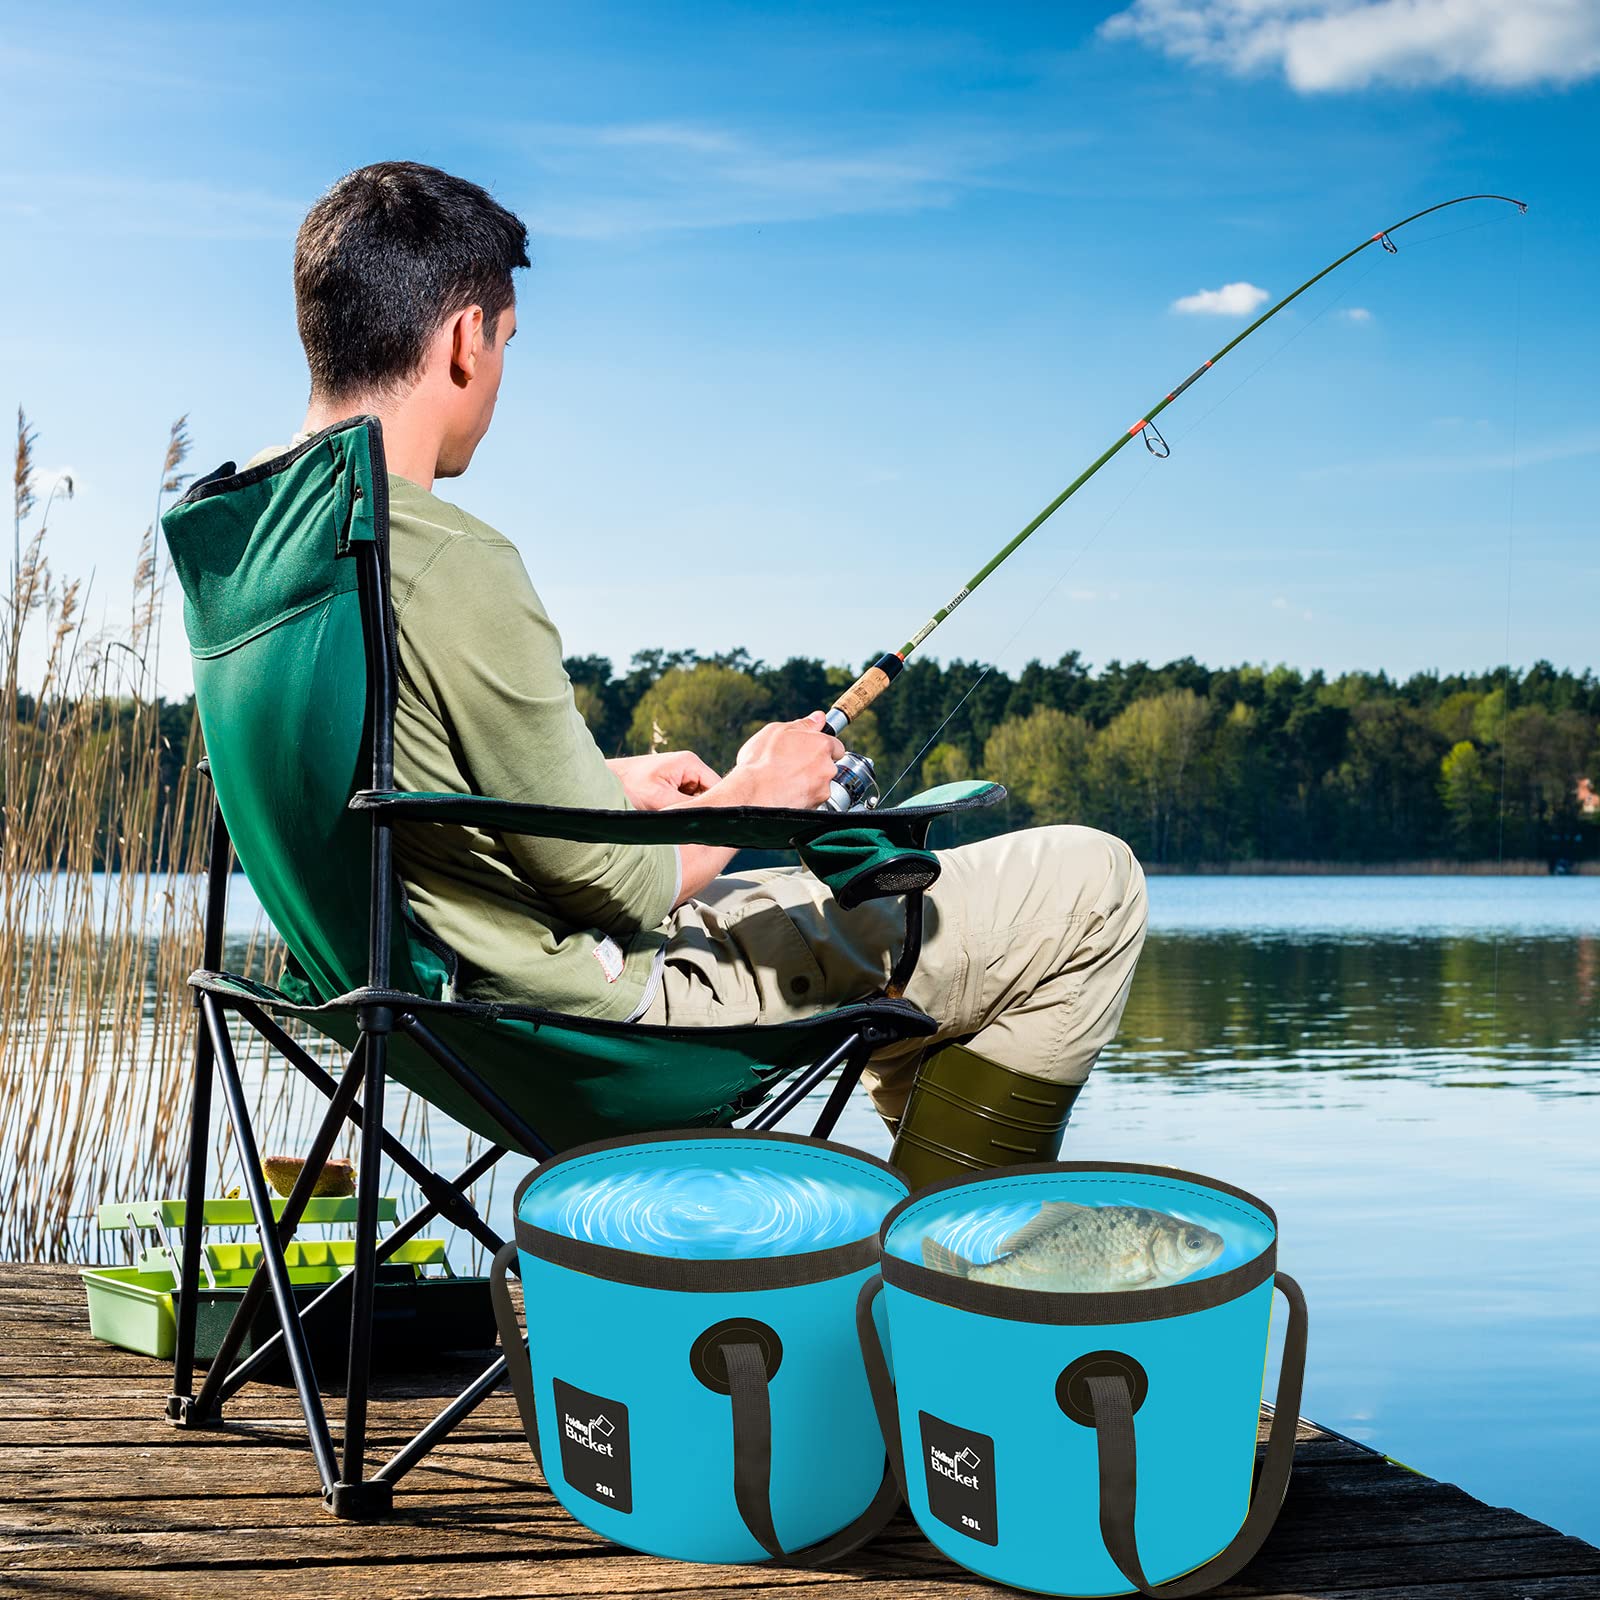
484 706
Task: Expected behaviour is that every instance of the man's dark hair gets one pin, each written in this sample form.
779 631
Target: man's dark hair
384 257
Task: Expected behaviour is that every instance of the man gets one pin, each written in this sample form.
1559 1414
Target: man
406 309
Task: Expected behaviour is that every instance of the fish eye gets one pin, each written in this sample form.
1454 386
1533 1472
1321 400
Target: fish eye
1194 1241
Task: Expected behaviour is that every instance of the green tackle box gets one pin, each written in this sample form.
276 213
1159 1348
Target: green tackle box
421 1308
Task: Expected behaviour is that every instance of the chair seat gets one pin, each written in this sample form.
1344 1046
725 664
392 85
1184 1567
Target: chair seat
577 1079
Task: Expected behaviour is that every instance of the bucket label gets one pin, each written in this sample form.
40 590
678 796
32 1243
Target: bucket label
594 1446
960 1469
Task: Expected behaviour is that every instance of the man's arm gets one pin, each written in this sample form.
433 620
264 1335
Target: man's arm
481 651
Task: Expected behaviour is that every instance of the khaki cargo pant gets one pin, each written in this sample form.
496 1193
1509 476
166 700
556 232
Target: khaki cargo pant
1030 941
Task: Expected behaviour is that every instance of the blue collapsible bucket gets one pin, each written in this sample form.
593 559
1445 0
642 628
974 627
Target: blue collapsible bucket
1077 1353
693 1385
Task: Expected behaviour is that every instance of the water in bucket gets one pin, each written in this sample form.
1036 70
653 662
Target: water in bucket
710 1202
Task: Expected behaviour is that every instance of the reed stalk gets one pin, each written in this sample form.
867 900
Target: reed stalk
104 827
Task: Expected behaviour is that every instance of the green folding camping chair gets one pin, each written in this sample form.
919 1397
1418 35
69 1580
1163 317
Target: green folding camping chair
285 573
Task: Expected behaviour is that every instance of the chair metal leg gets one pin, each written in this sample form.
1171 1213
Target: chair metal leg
219 866
509 1119
781 1105
350 1496
839 1097
447 1202
207 1405
272 1259
181 1407
468 1401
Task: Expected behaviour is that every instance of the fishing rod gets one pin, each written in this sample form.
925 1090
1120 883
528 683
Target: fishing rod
855 783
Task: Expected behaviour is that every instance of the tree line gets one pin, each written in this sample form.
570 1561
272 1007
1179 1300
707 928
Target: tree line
1188 763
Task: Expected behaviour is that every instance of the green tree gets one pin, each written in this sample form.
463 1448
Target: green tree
707 708
1043 760
1468 795
1456 716
591 706
1149 753
1545 753
945 763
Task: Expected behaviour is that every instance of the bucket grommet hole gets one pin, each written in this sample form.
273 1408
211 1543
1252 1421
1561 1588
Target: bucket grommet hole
1072 1387
707 1362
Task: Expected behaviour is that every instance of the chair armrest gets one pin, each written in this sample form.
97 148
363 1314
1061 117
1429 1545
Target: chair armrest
743 827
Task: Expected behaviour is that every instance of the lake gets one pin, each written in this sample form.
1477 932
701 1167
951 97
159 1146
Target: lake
1405 1069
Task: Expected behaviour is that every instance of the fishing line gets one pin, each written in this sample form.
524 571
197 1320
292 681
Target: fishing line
1088 544
1049 594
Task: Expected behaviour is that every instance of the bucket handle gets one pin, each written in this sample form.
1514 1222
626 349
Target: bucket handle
1114 1435
879 1381
752 1470
518 1367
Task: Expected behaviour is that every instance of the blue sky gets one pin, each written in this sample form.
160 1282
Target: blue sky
828 300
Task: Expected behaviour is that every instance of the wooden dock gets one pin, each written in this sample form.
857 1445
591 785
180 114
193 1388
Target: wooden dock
100 1497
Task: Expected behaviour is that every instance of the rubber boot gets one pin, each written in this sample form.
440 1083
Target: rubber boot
967 1114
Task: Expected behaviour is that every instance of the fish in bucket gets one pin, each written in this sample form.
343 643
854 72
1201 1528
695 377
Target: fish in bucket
1077 1353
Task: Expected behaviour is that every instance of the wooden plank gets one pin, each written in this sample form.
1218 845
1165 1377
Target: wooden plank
1375 1519
644 1579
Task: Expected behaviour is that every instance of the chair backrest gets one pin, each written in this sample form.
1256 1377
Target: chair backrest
278 564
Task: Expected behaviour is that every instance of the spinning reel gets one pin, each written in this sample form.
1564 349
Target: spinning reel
855 779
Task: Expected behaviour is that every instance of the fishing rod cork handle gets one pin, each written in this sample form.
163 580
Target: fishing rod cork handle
855 783
864 691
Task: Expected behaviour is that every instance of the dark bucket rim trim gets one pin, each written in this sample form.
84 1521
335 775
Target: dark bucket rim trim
1065 1308
700 1275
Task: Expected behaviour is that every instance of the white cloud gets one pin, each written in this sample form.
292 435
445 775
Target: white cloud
1231 300
616 180
1356 314
64 480
1350 44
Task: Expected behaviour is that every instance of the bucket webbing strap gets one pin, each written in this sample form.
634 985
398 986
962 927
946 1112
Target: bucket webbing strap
518 1366
879 1380
752 1470
1114 1434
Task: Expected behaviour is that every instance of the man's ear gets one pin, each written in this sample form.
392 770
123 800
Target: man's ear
466 345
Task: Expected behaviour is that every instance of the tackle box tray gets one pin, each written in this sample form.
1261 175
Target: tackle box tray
415 1316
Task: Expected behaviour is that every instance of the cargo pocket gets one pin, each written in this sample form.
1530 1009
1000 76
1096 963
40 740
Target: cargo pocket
781 961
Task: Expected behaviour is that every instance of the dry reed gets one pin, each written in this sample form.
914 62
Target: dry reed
103 835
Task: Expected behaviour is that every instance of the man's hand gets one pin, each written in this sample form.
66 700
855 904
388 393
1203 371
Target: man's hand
652 783
783 764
